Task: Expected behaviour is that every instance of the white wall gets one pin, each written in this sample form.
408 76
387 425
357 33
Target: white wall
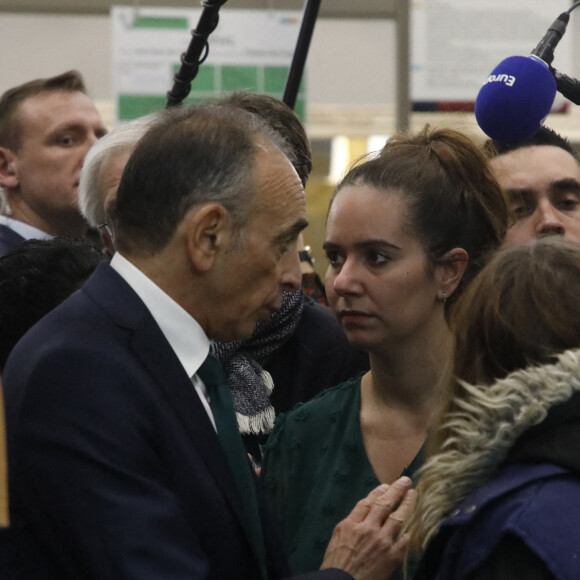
34 46
350 62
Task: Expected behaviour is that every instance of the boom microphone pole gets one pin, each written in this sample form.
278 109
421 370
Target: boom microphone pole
196 52
301 52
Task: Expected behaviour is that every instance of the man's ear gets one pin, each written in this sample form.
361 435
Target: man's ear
208 232
8 168
449 270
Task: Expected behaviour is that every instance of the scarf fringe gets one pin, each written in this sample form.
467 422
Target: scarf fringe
262 422
268 381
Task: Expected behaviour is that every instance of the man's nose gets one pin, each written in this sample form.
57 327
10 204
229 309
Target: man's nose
550 222
291 278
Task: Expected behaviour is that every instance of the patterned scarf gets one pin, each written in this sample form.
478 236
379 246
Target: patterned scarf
251 385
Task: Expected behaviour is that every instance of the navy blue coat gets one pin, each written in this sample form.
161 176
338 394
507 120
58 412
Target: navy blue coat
9 239
530 502
116 470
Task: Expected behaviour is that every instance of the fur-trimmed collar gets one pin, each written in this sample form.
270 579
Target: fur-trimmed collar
483 431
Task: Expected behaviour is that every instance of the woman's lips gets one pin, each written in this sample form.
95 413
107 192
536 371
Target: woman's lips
351 316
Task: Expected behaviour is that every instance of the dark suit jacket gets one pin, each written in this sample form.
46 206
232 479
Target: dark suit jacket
117 472
9 239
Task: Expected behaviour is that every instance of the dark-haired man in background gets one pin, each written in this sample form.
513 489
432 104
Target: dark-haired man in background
542 178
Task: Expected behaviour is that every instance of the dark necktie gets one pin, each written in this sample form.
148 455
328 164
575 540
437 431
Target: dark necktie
220 402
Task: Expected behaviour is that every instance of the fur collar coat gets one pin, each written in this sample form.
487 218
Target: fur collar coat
532 415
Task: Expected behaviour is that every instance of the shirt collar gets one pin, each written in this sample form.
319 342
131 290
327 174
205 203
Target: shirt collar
27 231
185 336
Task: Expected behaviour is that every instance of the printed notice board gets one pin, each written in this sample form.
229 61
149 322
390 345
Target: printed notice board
457 43
250 49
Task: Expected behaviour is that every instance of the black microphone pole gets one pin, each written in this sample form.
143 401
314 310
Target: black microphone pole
567 86
301 52
193 57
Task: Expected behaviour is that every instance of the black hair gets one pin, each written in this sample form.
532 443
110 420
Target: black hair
34 278
543 136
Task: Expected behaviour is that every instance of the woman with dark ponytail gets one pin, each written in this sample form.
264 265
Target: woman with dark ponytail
407 228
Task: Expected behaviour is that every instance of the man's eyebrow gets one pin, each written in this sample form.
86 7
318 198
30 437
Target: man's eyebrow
565 184
77 127
69 126
515 191
519 194
292 232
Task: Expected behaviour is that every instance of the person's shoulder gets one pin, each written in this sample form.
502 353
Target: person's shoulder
544 521
321 402
558 496
9 239
72 333
538 513
518 498
532 502
320 419
321 406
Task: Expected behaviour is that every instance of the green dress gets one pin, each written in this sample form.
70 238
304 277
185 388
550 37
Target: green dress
316 469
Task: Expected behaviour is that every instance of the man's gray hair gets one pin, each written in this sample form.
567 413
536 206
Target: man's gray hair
120 139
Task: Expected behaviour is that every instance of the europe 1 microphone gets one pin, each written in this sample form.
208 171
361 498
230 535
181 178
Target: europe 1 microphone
519 93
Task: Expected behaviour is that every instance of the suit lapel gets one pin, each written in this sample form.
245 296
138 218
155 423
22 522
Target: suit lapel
155 353
149 344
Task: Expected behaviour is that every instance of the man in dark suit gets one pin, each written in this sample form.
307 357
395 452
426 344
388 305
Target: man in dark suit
122 464
46 128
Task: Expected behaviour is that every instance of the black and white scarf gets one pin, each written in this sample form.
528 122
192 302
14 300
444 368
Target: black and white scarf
250 384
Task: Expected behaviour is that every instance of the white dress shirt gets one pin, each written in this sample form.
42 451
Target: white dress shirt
184 334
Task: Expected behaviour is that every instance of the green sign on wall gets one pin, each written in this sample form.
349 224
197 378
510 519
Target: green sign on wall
250 49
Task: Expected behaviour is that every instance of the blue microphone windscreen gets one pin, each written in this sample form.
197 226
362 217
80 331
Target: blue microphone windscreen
515 99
